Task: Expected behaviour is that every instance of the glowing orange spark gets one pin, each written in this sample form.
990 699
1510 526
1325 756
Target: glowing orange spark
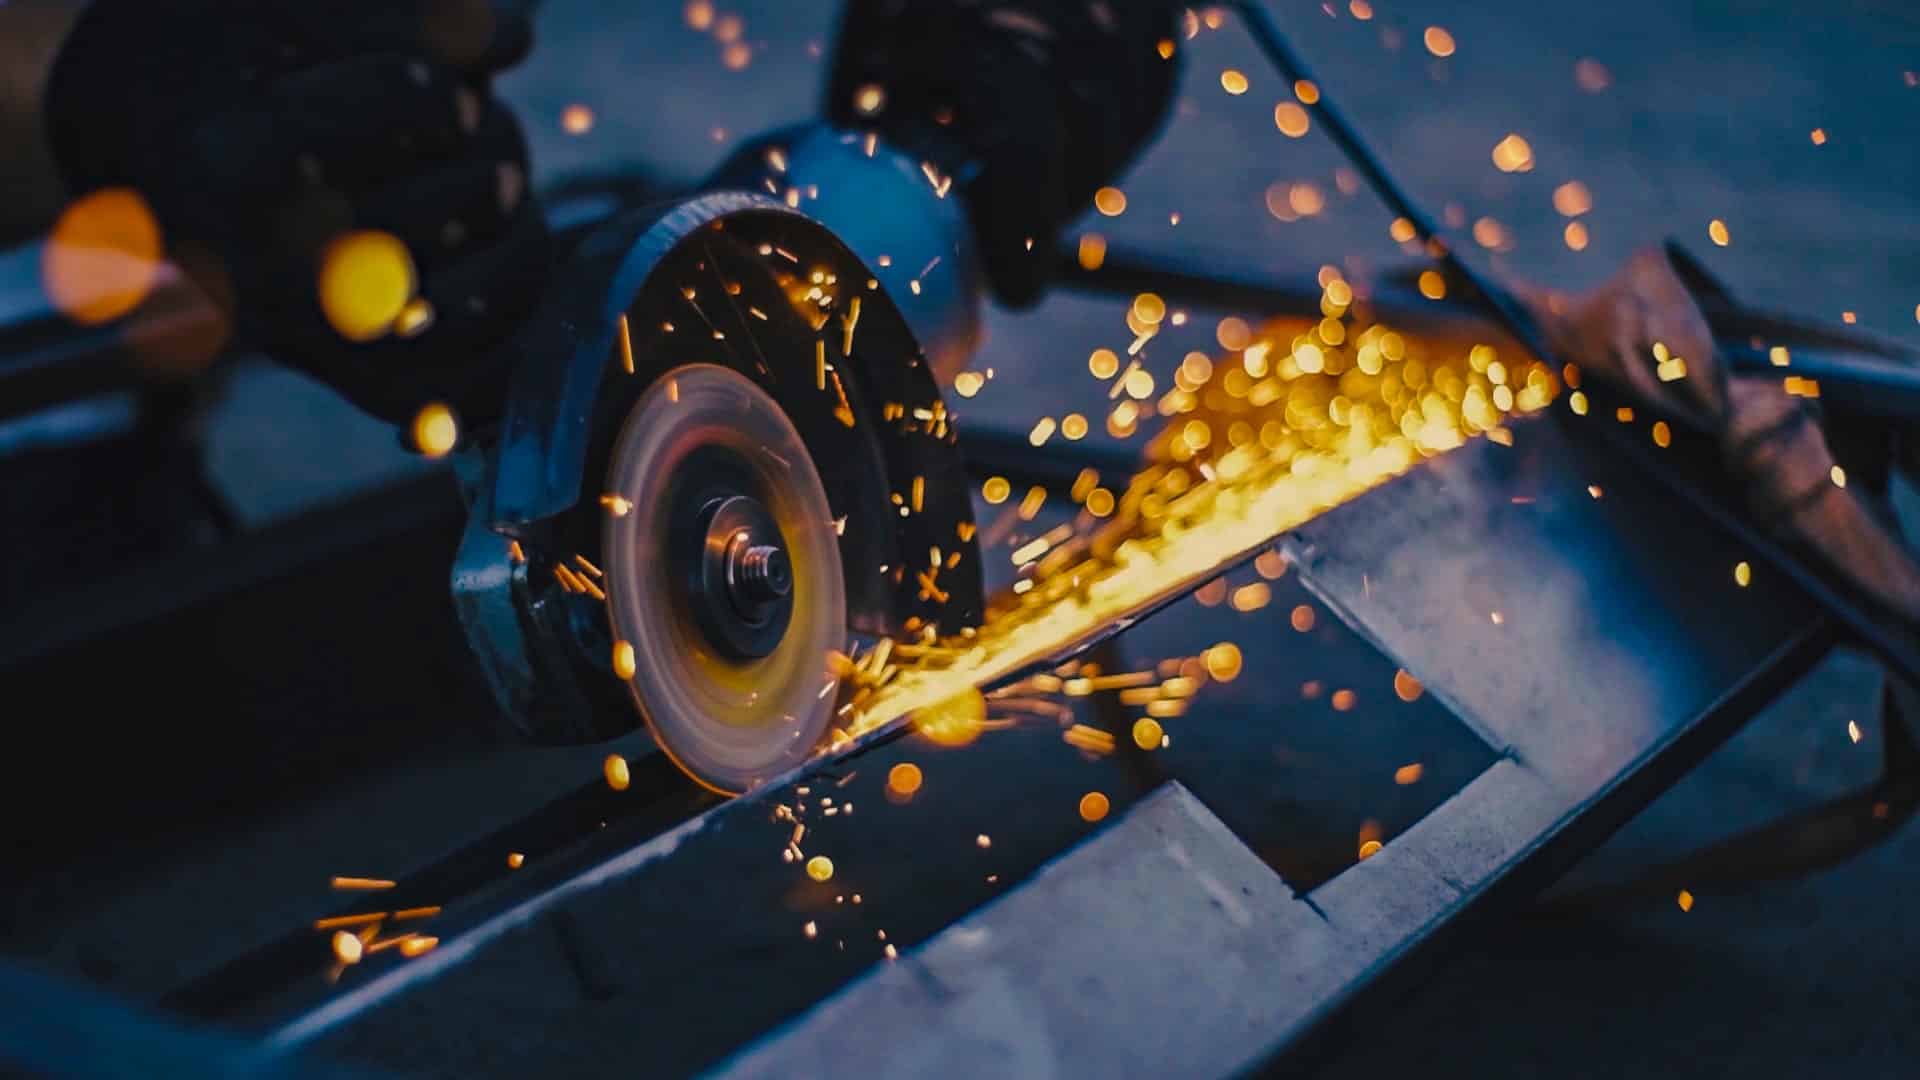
103 256
614 768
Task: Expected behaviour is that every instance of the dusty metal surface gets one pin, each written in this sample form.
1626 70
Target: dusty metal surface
1520 584
1131 955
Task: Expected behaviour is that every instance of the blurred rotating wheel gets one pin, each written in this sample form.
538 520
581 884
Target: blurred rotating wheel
724 577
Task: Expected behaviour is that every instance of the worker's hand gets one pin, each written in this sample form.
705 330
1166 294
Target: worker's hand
1772 440
1031 105
1613 331
262 132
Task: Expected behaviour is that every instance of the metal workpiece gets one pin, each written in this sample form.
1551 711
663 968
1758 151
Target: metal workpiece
1136 953
1513 581
1197 875
1508 578
1485 543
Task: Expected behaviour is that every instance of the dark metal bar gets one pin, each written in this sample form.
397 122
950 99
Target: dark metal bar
1800 843
557 840
1126 272
1869 384
426 506
52 1027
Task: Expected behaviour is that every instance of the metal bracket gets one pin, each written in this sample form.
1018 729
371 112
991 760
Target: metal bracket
1802 842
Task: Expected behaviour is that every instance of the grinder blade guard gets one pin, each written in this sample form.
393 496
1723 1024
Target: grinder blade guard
723 454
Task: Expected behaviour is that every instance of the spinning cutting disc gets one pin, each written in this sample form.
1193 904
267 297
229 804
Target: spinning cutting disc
722 421
724 577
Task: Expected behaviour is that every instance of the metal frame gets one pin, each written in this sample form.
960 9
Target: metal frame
1496 841
1514 828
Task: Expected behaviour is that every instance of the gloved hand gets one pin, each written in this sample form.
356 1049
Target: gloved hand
1030 105
263 131
1774 442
